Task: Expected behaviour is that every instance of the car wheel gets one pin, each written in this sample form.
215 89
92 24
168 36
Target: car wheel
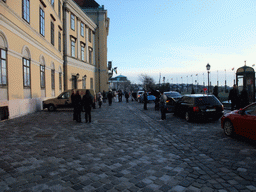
187 116
51 108
228 128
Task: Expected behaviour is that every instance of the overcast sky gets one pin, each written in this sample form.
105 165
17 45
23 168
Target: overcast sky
177 38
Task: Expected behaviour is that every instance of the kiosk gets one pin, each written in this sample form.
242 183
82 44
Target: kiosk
245 79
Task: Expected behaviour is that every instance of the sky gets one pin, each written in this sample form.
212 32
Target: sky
177 38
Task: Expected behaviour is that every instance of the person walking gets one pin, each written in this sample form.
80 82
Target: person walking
145 98
100 99
233 96
163 99
126 96
77 106
87 103
110 96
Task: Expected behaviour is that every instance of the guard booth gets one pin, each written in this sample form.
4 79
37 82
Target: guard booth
245 79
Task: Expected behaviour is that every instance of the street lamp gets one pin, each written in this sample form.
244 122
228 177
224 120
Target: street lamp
208 67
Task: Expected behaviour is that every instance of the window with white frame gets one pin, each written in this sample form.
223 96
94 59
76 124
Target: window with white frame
90 35
60 41
72 21
60 81
42 76
82 29
91 83
42 22
53 78
73 48
26 10
82 51
52 33
26 72
3 68
90 55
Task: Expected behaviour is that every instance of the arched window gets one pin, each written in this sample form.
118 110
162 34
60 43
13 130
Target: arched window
26 61
42 72
3 67
3 61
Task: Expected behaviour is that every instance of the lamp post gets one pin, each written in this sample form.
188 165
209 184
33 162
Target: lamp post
225 81
208 67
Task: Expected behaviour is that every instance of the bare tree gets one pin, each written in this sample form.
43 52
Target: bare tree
147 81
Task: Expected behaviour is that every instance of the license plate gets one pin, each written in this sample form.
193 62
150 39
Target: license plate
208 110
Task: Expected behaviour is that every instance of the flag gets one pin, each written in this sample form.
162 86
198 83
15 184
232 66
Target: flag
233 69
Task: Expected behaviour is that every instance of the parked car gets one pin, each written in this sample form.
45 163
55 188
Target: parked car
139 94
199 107
240 122
172 98
150 97
64 100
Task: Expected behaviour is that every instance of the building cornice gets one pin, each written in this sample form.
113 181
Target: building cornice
75 9
79 64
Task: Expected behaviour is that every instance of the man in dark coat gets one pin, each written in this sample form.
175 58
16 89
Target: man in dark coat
87 103
127 96
233 96
77 106
120 94
110 96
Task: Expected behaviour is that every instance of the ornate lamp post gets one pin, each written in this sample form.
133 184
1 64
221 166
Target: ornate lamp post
208 67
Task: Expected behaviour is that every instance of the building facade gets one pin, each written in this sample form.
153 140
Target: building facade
79 48
31 66
46 47
99 16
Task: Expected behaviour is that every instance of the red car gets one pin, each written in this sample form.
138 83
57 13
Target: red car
241 122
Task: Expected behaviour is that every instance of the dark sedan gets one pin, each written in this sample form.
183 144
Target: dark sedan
241 122
199 107
172 98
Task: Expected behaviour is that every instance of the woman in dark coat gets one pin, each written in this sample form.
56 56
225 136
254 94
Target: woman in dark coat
77 106
87 103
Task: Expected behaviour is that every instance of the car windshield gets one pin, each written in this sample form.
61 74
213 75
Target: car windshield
173 94
210 100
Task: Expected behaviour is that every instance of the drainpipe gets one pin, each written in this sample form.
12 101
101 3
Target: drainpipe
64 47
98 47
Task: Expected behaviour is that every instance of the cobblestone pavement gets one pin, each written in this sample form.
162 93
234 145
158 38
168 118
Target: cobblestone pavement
125 148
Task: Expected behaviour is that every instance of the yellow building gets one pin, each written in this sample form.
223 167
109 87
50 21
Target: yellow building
46 47
99 15
31 54
79 51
